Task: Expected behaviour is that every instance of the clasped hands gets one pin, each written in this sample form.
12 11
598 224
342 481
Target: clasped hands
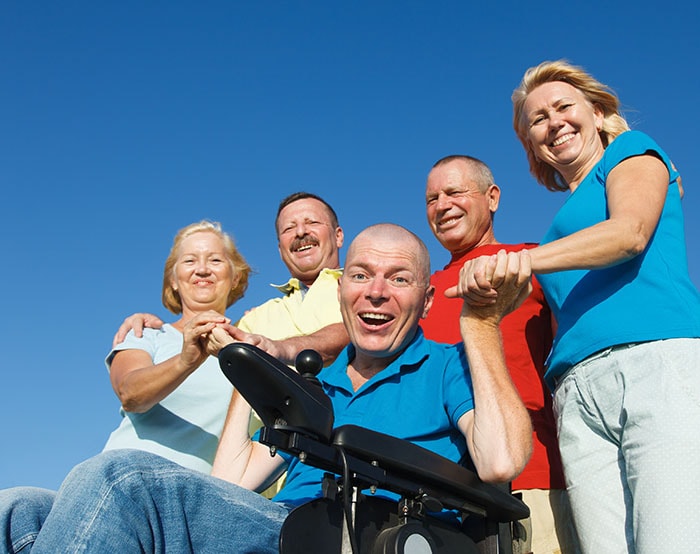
207 333
493 286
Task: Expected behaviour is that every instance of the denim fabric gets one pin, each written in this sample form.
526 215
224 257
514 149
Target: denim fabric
134 501
628 421
22 514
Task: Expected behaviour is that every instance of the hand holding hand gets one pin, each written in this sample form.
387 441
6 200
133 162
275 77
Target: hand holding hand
195 337
493 286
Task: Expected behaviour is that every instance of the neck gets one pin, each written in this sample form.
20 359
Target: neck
310 281
362 368
573 174
486 240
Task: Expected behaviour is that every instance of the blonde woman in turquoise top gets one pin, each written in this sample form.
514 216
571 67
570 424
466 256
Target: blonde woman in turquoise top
625 363
173 395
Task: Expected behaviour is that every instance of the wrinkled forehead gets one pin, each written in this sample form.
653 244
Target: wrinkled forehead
388 252
300 210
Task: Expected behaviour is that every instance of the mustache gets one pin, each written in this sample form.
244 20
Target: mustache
304 240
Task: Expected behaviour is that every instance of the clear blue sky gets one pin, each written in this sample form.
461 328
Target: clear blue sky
121 122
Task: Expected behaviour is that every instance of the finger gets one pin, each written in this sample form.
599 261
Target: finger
525 267
153 322
451 292
120 336
498 267
137 321
480 271
474 283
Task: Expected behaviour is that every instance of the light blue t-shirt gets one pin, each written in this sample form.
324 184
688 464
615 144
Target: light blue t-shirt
649 297
186 425
419 397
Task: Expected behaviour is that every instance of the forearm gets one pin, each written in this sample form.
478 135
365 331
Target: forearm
636 192
140 389
238 459
501 434
328 342
602 245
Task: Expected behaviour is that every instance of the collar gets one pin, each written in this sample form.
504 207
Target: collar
336 375
294 284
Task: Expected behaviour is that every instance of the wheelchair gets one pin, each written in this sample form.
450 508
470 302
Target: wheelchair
349 519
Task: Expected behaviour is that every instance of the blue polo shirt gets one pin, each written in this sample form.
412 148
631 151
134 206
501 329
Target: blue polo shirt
419 397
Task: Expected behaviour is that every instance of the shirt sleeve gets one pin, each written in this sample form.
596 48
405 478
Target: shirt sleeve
635 143
131 342
457 384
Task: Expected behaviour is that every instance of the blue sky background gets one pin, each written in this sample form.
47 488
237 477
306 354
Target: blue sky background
121 122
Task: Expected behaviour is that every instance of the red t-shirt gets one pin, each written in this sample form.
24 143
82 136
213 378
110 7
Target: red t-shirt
527 339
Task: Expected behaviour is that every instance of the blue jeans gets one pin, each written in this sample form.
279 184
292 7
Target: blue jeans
628 420
133 501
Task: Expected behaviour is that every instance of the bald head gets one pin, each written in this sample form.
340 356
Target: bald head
384 291
393 237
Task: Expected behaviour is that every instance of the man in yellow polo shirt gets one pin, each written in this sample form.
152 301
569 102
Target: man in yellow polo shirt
308 313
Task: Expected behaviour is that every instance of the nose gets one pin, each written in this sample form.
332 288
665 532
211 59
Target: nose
556 119
300 229
442 202
377 288
202 267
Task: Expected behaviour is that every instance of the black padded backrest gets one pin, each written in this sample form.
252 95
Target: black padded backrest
279 395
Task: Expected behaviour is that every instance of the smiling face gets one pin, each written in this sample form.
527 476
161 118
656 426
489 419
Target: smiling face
308 240
203 275
384 291
459 213
562 129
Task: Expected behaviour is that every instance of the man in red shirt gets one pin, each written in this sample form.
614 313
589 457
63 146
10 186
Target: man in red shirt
461 200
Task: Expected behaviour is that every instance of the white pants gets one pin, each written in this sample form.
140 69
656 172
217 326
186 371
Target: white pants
629 433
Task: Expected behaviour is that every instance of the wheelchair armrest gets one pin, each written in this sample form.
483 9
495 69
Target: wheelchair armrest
279 395
446 478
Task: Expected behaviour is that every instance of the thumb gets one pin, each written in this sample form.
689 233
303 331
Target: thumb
451 292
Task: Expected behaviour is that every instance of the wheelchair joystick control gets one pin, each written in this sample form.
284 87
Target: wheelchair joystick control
309 364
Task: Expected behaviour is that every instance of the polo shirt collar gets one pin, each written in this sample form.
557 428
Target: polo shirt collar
336 375
294 284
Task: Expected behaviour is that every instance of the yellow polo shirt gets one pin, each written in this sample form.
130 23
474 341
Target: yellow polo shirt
298 312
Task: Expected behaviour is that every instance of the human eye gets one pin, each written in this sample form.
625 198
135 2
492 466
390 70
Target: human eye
401 280
358 277
537 120
430 200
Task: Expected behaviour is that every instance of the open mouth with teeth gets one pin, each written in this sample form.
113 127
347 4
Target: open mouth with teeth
375 319
304 244
564 138
446 222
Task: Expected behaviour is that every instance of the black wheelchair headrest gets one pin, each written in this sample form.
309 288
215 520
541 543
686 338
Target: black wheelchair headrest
280 396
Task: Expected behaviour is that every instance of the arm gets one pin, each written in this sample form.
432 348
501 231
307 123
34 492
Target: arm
498 430
136 322
327 341
239 459
636 189
140 384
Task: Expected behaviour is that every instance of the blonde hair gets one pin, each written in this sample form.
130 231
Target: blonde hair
593 90
239 267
